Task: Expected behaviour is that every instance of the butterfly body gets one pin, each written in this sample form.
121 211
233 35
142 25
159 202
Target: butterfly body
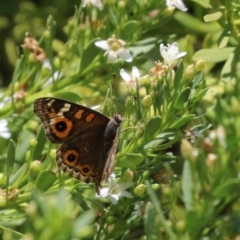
88 138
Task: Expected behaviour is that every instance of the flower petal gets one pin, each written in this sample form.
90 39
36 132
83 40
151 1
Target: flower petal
125 185
112 56
125 76
126 194
102 44
125 54
135 72
104 192
177 3
98 4
114 198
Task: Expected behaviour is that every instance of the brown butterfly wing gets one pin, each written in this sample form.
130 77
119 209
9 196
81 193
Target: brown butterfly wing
63 120
90 156
88 138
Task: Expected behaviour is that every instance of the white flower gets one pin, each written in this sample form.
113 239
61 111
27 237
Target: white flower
130 80
177 3
96 3
116 190
170 53
4 132
114 49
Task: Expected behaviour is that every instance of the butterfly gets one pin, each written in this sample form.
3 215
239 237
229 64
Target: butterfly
88 138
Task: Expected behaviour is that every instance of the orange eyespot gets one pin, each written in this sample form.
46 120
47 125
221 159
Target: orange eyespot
70 158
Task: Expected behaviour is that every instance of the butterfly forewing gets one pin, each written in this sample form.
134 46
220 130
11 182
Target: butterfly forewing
63 119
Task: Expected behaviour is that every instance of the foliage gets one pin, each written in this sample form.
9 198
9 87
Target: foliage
177 165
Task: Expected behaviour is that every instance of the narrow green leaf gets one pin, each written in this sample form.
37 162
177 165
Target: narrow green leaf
213 55
214 16
226 188
41 138
130 160
149 219
198 80
10 159
89 53
182 122
178 75
187 182
70 96
159 211
45 180
227 70
151 128
182 98
129 29
224 37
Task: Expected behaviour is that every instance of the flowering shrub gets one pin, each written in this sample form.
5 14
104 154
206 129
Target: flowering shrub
170 68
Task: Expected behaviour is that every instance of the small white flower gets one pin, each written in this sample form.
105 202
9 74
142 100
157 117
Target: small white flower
96 3
116 190
114 48
176 3
4 131
130 80
170 53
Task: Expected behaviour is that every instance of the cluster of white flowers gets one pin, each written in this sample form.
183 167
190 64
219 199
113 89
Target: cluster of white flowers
115 49
170 3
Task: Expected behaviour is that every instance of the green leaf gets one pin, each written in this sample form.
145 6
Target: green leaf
214 16
182 122
129 29
151 128
182 98
149 219
89 53
178 75
226 188
192 223
45 180
224 37
136 50
130 160
197 80
187 182
41 138
70 96
158 209
213 55
203 3
227 72
10 159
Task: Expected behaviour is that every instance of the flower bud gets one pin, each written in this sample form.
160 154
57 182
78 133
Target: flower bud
121 4
53 153
199 66
33 142
57 62
36 166
180 226
2 179
3 201
189 73
128 175
147 101
140 189
146 174
155 186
